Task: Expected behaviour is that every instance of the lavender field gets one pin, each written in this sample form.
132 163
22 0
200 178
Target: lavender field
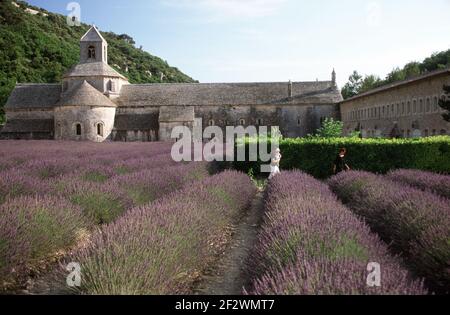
139 223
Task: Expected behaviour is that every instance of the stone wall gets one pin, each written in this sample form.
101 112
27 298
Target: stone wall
67 118
407 110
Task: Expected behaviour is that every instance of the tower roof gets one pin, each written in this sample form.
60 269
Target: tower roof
93 69
84 94
93 35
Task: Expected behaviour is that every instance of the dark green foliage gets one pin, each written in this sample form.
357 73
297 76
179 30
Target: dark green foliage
444 103
39 49
316 156
358 84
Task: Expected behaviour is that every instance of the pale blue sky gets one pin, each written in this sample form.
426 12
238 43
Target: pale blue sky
275 40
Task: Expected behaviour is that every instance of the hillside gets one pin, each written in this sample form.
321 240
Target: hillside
41 47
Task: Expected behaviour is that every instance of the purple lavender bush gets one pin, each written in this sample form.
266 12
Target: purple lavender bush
311 244
427 181
155 249
100 202
14 183
415 223
34 228
148 185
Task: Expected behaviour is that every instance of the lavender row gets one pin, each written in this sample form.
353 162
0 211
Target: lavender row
414 222
35 228
158 248
427 181
311 244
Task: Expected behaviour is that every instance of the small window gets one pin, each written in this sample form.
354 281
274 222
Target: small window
426 133
260 122
428 108
78 129
242 122
434 132
443 132
91 52
421 106
211 122
409 107
403 108
100 130
414 106
435 103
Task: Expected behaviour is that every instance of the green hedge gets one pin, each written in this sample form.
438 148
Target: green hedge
316 156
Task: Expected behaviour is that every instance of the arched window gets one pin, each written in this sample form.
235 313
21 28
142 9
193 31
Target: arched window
414 106
78 129
260 122
409 107
443 132
421 106
100 129
403 108
242 122
435 104
434 132
91 52
211 122
426 133
428 108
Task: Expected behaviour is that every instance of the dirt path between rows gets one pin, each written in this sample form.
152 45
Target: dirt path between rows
231 276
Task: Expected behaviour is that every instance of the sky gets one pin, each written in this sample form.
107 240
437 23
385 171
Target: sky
275 40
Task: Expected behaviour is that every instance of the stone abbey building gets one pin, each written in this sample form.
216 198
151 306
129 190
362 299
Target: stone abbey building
406 109
95 102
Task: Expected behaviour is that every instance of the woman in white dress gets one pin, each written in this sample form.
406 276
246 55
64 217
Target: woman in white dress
275 163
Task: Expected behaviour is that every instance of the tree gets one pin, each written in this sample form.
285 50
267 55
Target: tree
444 103
330 128
353 86
370 82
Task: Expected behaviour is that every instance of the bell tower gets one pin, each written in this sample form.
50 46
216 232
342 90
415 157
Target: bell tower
93 47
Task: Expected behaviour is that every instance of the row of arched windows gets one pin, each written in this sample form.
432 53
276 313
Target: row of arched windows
419 106
99 127
241 122
408 133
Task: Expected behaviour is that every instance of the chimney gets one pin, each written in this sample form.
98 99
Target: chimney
333 78
290 89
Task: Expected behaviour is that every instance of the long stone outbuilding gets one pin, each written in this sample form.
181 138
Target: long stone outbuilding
406 109
94 102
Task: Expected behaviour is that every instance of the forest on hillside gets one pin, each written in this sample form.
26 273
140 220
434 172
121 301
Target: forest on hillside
39 48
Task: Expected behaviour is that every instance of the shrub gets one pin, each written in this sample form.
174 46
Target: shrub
316 156
156 249
100 202
13 184
427 181
311 244
34 228
414 222
148 185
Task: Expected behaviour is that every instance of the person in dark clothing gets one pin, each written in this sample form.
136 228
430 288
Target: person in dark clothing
340 163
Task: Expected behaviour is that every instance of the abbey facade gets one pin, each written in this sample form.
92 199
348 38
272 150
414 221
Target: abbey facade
96 103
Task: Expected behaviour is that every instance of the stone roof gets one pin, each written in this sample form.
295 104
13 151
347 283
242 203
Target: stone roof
93 69
28 125
399 83
176 114
84 94
33 96
227 93
92 35
135 121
